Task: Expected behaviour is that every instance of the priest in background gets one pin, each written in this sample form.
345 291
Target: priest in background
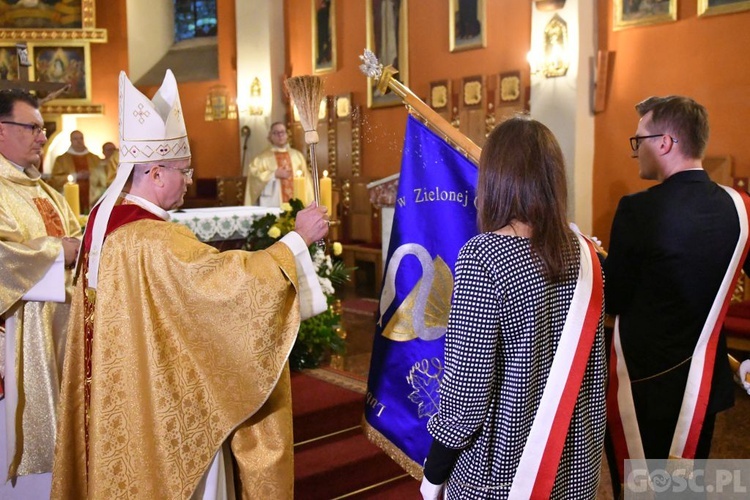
104 173
177 354
38 242
270 179
79 162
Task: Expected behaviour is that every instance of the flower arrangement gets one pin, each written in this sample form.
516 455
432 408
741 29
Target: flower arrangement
318 336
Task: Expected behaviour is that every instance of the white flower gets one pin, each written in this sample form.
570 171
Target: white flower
326 286
274 232
318 258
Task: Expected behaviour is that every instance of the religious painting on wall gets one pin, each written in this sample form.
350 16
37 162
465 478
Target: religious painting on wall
467 28
67 64
713 7
387 35
631 13
8 62
49 19
324 36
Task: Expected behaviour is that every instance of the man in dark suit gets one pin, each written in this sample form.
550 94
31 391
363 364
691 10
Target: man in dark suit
670 248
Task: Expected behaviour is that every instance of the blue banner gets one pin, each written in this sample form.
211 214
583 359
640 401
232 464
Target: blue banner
435 215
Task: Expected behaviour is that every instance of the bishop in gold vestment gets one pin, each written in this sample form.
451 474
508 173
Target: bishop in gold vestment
188 345
177 354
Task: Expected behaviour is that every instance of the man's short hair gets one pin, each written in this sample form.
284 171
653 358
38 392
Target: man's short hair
680 117
9 97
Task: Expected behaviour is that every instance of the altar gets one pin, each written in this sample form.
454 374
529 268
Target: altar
222 227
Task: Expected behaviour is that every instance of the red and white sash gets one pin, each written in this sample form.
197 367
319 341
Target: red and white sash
537 469
623 424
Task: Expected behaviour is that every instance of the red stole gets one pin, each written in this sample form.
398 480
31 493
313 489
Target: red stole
284 162
621 416
51 217
81 164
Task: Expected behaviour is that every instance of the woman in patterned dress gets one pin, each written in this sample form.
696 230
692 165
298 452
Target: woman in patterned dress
514 288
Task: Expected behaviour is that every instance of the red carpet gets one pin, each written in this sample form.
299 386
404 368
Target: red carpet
332 458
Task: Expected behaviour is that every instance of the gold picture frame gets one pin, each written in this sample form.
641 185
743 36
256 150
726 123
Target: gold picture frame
9 69
466 25
716 7
63 63
632 13
387 19
61 20
323 36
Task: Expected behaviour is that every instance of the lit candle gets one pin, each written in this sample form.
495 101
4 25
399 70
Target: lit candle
300 187
71 192
326 198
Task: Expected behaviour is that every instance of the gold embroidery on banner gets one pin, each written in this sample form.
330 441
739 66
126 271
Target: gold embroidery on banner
402 459
438 291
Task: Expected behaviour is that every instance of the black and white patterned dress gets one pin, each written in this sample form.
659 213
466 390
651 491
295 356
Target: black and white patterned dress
504 326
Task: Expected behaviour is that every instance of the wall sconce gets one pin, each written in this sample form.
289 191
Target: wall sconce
555 60
256 103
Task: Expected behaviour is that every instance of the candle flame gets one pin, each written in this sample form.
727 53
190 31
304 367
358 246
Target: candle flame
298 173
71 179
325 173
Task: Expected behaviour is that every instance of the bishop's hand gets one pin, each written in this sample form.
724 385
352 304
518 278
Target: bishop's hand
312 223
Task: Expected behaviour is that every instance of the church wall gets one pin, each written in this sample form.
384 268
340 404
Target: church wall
704 58
429 60
107 59
213 144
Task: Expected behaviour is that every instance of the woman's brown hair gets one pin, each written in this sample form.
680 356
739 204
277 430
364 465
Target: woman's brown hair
522 177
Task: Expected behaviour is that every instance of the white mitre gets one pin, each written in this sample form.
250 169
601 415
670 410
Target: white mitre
151 130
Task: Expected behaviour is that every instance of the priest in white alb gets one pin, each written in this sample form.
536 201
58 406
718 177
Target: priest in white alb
37 242
272 175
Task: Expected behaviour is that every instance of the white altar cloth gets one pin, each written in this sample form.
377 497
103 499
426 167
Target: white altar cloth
221 223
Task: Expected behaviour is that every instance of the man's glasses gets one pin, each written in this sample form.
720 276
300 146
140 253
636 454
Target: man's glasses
635 141
35 129
187 172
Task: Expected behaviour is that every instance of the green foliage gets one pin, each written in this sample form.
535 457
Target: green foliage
318 336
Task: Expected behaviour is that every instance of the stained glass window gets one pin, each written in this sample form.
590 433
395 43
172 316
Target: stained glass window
194 19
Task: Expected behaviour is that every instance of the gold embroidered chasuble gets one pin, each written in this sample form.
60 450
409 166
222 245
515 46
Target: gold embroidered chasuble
33 218
189 350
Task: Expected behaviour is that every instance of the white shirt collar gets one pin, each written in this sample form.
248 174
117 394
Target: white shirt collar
147 205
